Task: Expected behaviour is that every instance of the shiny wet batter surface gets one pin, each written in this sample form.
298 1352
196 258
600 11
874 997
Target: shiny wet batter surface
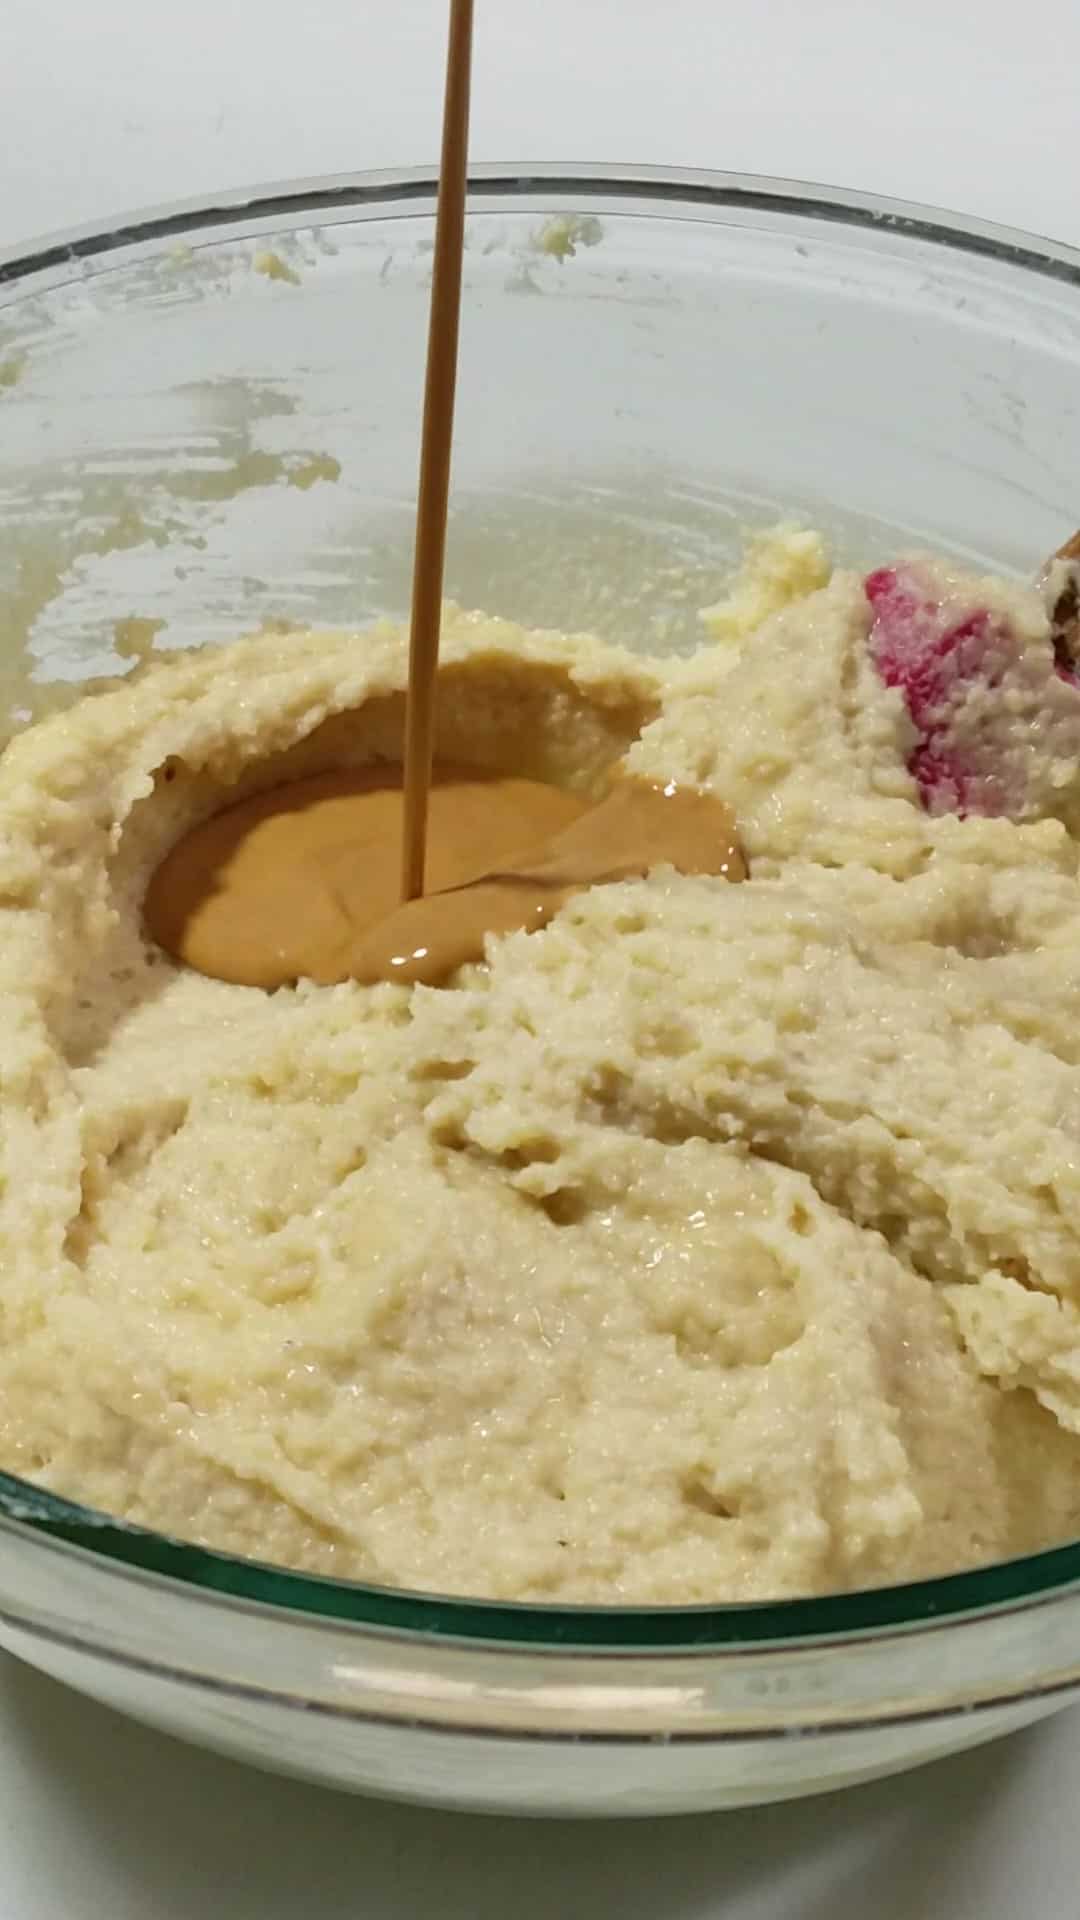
301 882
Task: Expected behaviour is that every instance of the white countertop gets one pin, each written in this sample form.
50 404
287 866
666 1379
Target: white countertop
118 105
100 1820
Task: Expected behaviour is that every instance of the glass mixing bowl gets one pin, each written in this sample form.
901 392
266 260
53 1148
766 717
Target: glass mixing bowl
210 418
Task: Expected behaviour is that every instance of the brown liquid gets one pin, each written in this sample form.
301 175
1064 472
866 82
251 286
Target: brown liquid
301 882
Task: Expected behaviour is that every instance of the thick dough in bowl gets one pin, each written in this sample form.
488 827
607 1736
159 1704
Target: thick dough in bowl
716 1242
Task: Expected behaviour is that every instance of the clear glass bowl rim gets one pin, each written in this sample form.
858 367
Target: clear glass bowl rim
139 1553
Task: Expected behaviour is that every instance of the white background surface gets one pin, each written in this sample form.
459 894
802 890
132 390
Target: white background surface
117 104
114 104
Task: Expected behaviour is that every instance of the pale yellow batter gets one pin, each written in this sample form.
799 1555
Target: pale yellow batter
716 1242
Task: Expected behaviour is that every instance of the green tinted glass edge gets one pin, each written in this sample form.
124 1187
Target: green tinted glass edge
660 1629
